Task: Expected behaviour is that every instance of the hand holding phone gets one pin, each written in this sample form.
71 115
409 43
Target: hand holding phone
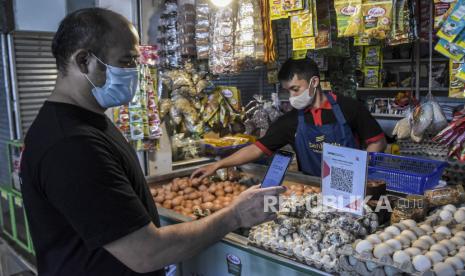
275 174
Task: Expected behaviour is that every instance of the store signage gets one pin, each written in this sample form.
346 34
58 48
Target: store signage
234 264
343 178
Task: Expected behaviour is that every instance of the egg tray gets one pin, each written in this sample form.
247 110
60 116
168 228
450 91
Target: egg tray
293 257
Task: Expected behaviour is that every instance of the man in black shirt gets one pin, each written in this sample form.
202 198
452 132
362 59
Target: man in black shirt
87 202
317 117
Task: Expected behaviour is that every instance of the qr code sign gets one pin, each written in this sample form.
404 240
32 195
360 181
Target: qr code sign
342 179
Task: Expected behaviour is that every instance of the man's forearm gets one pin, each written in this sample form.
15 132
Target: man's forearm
178 242
243 156
378 146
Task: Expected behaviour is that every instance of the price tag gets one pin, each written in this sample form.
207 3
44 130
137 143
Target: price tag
343 176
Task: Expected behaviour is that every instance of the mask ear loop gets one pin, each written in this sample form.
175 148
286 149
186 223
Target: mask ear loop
85 75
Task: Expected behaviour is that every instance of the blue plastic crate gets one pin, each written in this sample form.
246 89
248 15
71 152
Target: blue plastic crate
405 174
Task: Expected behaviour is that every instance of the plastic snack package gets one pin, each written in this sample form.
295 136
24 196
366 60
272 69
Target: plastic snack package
276 10
202 29
301 25
401 31
456 86
373 55
450 50
377 18
299 54
454 24
304 43
442 9
372 76
322 21
292 5
349 17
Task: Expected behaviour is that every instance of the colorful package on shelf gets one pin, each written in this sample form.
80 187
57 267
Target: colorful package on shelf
373 55
454 24
362 41
461 72
372 76
349 17
450 50
148 55
121 119
248 42
441 8
202 29
301 25
299 54
456 86
222 52
276 10
377 18
322 21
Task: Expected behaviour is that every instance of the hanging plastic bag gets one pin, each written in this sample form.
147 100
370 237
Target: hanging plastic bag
421 119
402 129
439 119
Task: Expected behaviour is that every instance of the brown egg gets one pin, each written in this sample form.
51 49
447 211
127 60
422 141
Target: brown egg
153 191
207 205
183 186
177 200
188 204
207 197
228 189
169 196
181 192
220 186
243 188
202 188
216 202
159 199
216 207
197 201
212 188
219 193
167 187
227 198
175 187
167 204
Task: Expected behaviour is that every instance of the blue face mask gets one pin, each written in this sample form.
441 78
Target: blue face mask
119 88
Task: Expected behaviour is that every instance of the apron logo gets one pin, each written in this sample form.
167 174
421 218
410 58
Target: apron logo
320 139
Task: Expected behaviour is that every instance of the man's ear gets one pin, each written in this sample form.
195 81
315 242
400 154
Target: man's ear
315 81
82 60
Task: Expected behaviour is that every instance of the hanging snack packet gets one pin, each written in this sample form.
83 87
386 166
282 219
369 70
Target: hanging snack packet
450 50
276 10
303 43
401 30
441 8
456 86
322 23
292 5
349 17
301 25
377 18
372 75
454 24
299 54
461 72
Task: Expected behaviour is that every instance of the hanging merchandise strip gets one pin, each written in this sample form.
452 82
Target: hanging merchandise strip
268 39
170 48
202 29
222 51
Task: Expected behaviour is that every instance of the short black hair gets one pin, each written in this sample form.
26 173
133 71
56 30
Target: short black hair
302 68
90 29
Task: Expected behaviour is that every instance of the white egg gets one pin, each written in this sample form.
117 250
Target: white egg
374 239
447 243
450 208
381 250
409 234
445 215
394 231
427 238
434 256
444 269
427 228
394 244
460 234
409 223
462 249
440 248
421 244
418 231
421 263
403 240
443 230
412 251
459 216
461 255
385 236
458 241
400 226
363 246
456 262
400 257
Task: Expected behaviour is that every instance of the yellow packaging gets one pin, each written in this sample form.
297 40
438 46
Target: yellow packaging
450 50
303 43
232 95
299 54
372 76
276 10
377 18
373 55
292 5
301 25
439 15
362 41
454 24
349 17
456 86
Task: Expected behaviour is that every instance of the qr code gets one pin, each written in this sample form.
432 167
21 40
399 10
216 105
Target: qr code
342 179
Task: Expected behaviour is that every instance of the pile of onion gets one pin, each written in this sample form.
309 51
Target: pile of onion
185 196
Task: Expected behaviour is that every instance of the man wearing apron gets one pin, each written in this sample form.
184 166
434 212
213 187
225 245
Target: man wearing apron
318 117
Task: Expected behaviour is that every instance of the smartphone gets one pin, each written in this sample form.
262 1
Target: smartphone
275 174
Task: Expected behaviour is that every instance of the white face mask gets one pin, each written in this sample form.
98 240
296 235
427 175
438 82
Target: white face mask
304 99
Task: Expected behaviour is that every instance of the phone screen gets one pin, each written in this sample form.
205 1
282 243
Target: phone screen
275 174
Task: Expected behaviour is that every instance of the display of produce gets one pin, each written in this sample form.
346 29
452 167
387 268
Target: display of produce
197 199
436 244
310 233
